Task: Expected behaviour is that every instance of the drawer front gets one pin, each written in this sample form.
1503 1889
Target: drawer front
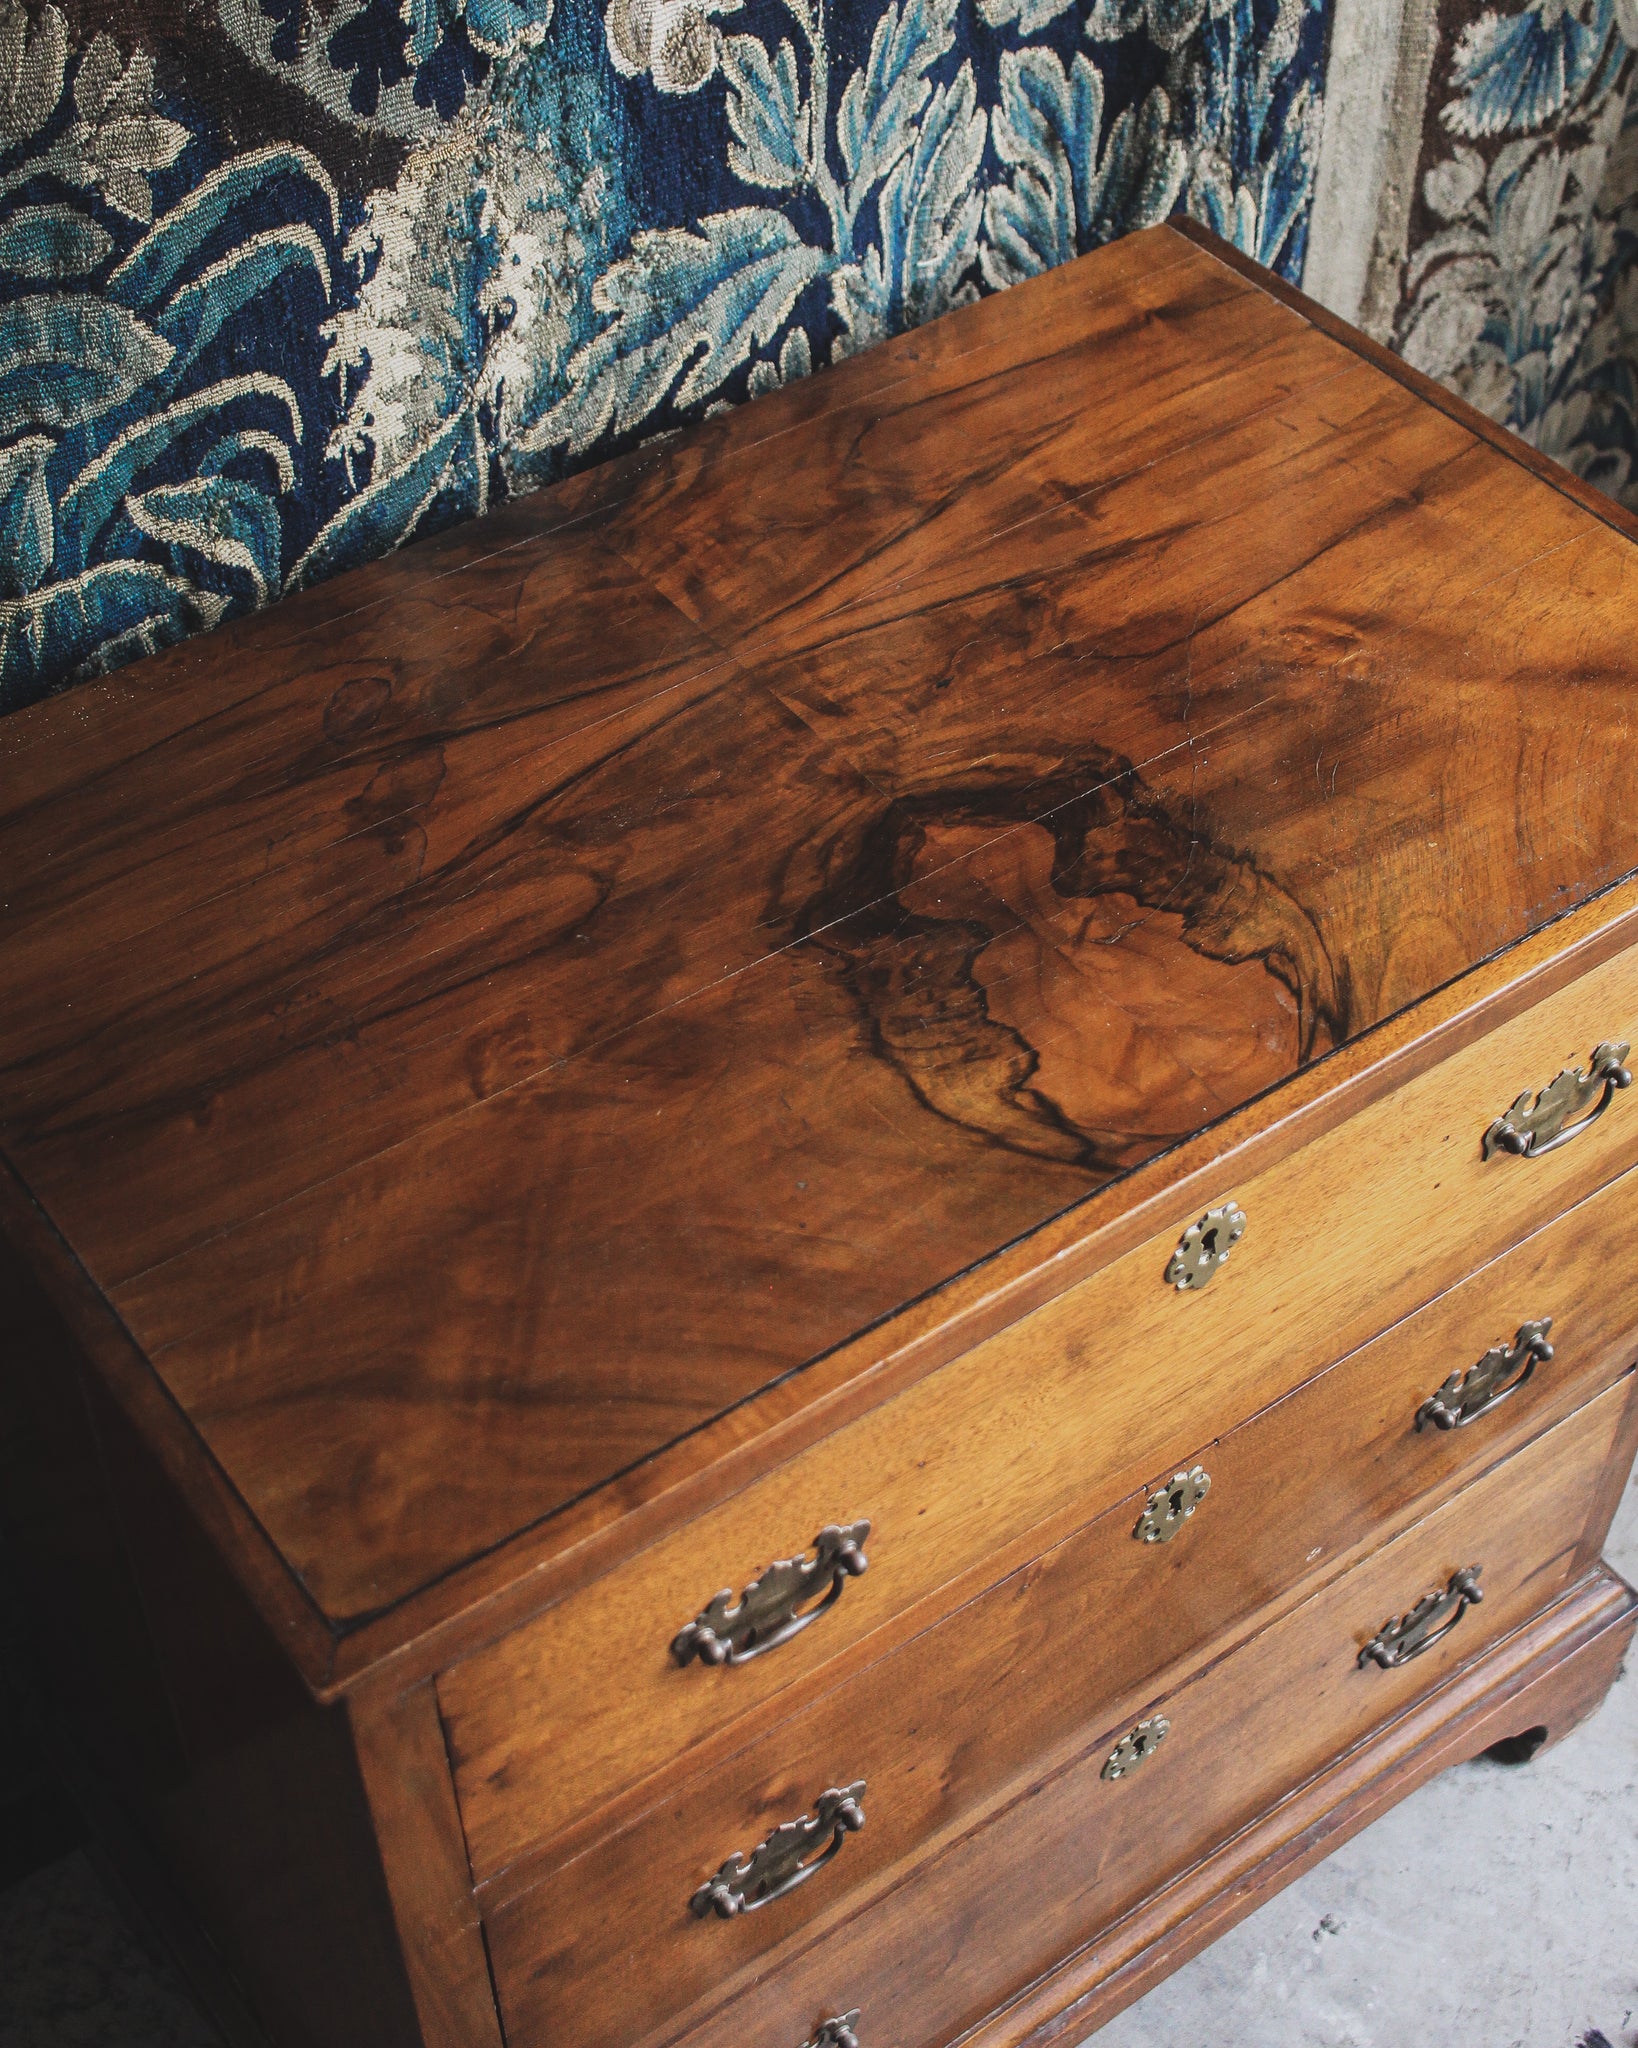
1338 1464
1001 1692
1058 1415
969 1928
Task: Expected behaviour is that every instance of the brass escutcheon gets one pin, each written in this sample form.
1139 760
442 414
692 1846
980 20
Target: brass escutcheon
773 1608
1205 1245
836 2033
1171 1505
1136 1748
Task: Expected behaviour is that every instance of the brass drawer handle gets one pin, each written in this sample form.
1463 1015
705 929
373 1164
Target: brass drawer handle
1504 1368
1429 1622
1171 1505
836 2033
776 1866
1539 1123
772 1608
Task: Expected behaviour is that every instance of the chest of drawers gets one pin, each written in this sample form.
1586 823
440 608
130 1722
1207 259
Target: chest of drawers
805 1246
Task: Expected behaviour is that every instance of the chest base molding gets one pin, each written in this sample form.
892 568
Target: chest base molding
1550 1675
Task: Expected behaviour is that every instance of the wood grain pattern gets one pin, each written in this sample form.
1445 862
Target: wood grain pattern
884 819
1008 1683
1427 388
566 1552
1551 1674
405 1770
1298 1491
535 1076
1079 1849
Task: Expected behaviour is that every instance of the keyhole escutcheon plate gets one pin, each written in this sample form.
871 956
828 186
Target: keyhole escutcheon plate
1171 1505
1204 1247
1134 1750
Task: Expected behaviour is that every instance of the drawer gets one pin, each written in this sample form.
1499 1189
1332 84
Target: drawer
1339 1463
608 1956
1057 1415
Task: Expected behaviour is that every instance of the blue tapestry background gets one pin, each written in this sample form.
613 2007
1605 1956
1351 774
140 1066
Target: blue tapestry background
283 282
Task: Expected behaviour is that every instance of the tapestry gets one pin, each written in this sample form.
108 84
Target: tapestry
286 282
1477 210
1517 290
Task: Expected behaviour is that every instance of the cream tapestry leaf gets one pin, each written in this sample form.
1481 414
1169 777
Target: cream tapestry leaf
688 308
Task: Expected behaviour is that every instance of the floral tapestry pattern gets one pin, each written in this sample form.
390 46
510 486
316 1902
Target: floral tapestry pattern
282 291
1519 290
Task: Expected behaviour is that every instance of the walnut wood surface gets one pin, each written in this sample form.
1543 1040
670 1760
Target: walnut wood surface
1000 1694
978 1924
550 1559
480 1027
1548 1676
405 1770
1298 1491
1079 1636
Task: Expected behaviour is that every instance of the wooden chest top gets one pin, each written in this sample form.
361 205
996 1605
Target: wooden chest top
500 1034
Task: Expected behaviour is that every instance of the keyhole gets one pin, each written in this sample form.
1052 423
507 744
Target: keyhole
1208 1242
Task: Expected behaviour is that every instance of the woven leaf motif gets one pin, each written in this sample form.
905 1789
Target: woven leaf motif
564 223
688 310
877 119
770 123
138 493
1062 197
930 211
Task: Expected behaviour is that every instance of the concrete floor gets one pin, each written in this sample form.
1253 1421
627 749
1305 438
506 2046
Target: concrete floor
1496 1908
74 1975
